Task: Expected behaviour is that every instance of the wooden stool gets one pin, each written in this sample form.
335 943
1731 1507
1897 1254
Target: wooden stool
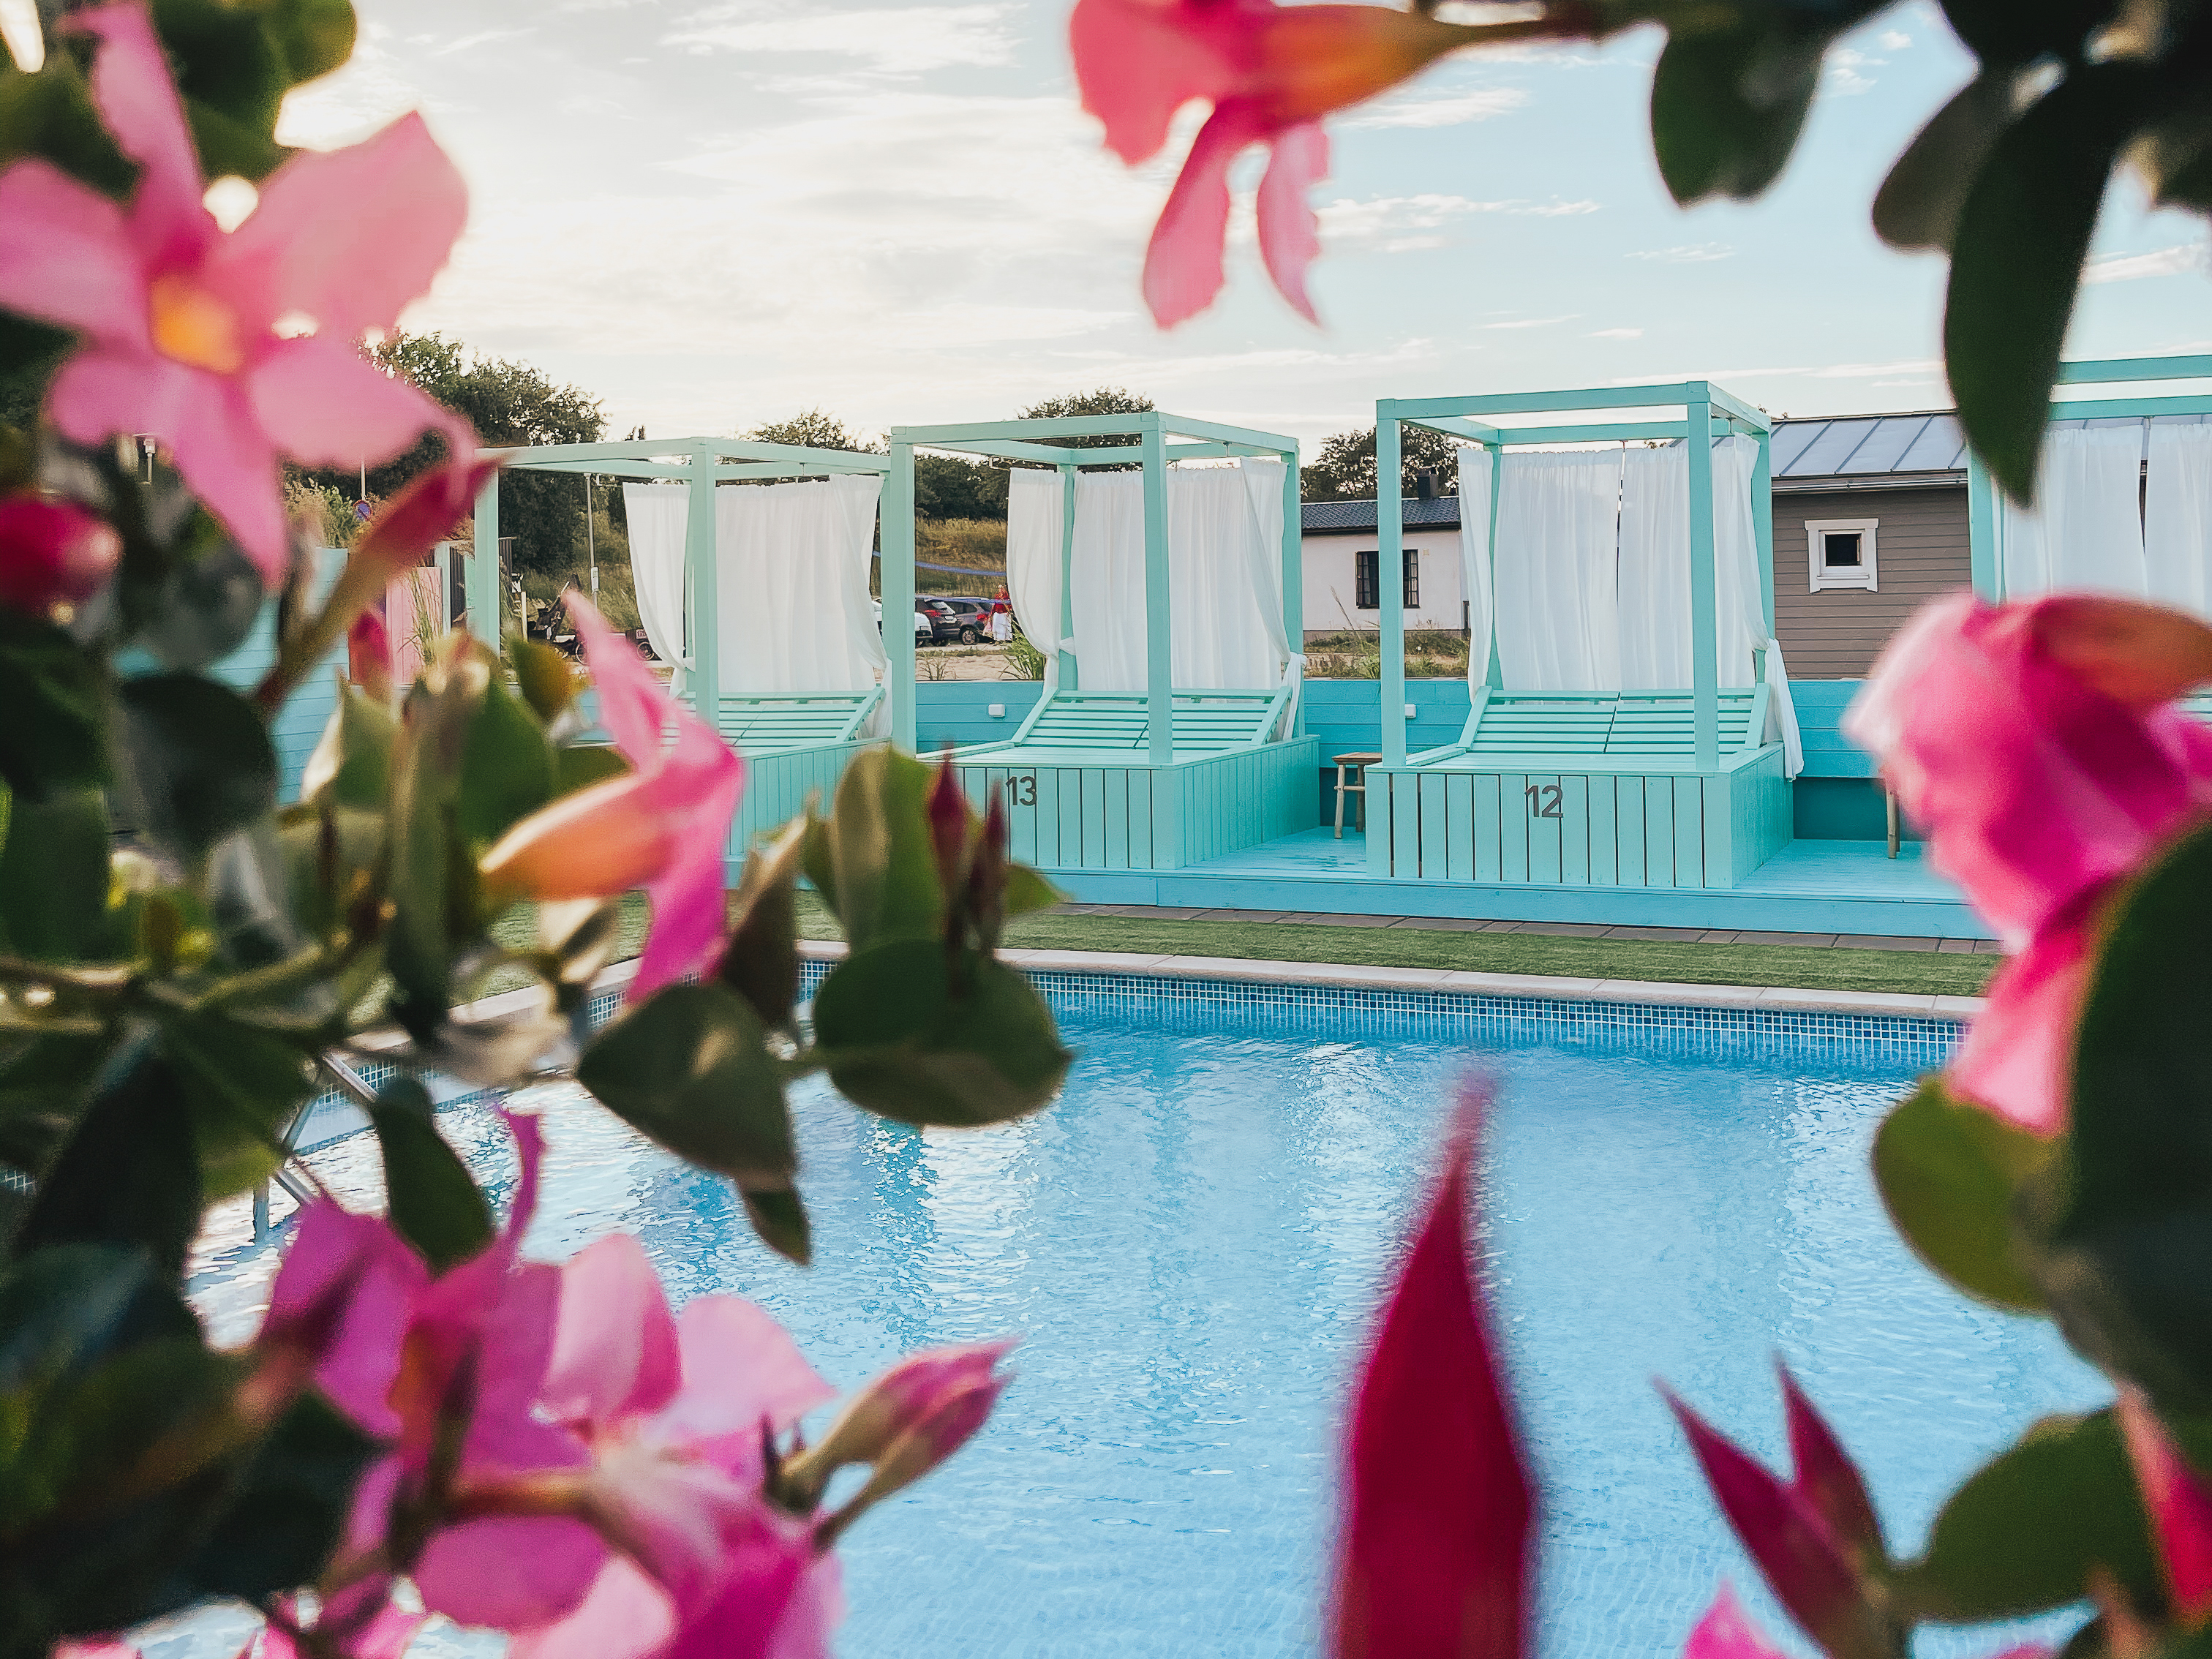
1359 764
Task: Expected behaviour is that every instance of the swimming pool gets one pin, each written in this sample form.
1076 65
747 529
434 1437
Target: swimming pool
1191 1243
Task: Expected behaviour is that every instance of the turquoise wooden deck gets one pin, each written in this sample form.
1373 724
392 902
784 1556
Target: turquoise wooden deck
795 747
1597 789
1807 886
1080 787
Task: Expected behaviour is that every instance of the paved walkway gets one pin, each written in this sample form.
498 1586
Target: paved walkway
1556 929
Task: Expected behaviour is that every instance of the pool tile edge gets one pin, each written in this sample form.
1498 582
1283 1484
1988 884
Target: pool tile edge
1530 987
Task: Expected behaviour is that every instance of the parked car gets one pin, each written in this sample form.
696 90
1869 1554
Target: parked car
925 632
967 621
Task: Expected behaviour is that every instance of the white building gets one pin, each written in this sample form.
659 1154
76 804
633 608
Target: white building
1342 565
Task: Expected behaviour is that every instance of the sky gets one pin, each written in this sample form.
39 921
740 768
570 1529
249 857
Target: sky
711 214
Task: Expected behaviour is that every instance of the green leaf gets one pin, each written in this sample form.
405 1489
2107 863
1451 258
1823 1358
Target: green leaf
902 1039
432 875
507 766
242 1086
56 734
54 877
2026 1532
434 1202
580 765
287 1507
315 36
332 855
208 600
2125 1267
549 685
352 762
1950 1175
1726 110
43 1086
2016 261
1919 203
2023 31
1026 890
64 1309
50 114
235 62
129 1174
779 1218
761 962
197 762
690 1068
882 865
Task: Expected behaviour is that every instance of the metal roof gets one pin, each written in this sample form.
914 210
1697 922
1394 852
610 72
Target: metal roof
1353 518
1850 446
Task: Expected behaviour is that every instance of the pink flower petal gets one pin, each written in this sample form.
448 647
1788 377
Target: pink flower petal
703 780
1182 264
324 404
510 1573
615 1351
1435 1552
2017 1057
1725 1632
817 1609
635 707
2179 1506
347 237
52 553
743 1620
139 104
741 1369
205 423
1827 1479
1290 233
1140 61
624 1615
1800 1558
66 257
334 1253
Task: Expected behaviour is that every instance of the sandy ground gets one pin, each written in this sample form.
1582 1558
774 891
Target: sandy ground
961 662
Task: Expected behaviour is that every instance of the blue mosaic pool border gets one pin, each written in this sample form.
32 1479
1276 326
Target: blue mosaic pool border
1277 1007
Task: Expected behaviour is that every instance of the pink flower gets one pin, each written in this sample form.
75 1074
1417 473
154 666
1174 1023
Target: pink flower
52 553
368 655
1435 1550
1272 72
671 1410
1815 1539
229 347
2179 1507
2032 744
662 825
1725 1632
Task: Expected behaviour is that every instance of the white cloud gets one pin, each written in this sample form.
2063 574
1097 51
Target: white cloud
1406 110
1894 40
1345 221
1535 322
909 40
481 38
2127 267
1698 253
1616 334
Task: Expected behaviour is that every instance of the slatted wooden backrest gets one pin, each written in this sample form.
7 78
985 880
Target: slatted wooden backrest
1609 725
762 724
1205 722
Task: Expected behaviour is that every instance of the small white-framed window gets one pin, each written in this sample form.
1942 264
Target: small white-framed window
1841 552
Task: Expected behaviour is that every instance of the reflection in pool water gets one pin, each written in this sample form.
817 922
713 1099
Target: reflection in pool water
1190 1243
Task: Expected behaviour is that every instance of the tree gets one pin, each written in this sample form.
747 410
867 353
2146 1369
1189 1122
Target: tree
1105 400
955 487
1344 469
814 429
508 404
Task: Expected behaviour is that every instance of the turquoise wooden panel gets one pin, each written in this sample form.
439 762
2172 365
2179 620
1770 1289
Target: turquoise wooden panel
958 712
1689 832
1659 833
1828 752
1604 831
1488 835
1575 830
1512 827
1546 834
1140 785
1114 808
1436 830
1406 824
1168 790
1459 812
1628 833
1726 810
1052 842
1068 788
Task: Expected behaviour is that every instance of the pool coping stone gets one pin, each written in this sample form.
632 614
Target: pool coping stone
1537 986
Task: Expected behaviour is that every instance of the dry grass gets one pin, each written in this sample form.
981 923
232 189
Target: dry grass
1356 654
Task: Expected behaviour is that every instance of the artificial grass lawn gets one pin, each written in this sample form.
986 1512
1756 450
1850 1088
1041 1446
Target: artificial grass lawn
1813 968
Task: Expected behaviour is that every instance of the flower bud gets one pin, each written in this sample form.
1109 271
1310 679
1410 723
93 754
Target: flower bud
594 844
369 656
52 553
905 1423
948 832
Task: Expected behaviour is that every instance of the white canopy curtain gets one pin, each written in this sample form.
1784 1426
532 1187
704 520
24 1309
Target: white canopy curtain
1554 580
1474 468
658 516
2177 517
1035 520
1225 582
2086 528
793 563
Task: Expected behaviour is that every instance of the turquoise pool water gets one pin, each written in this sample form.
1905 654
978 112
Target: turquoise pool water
1191 1243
